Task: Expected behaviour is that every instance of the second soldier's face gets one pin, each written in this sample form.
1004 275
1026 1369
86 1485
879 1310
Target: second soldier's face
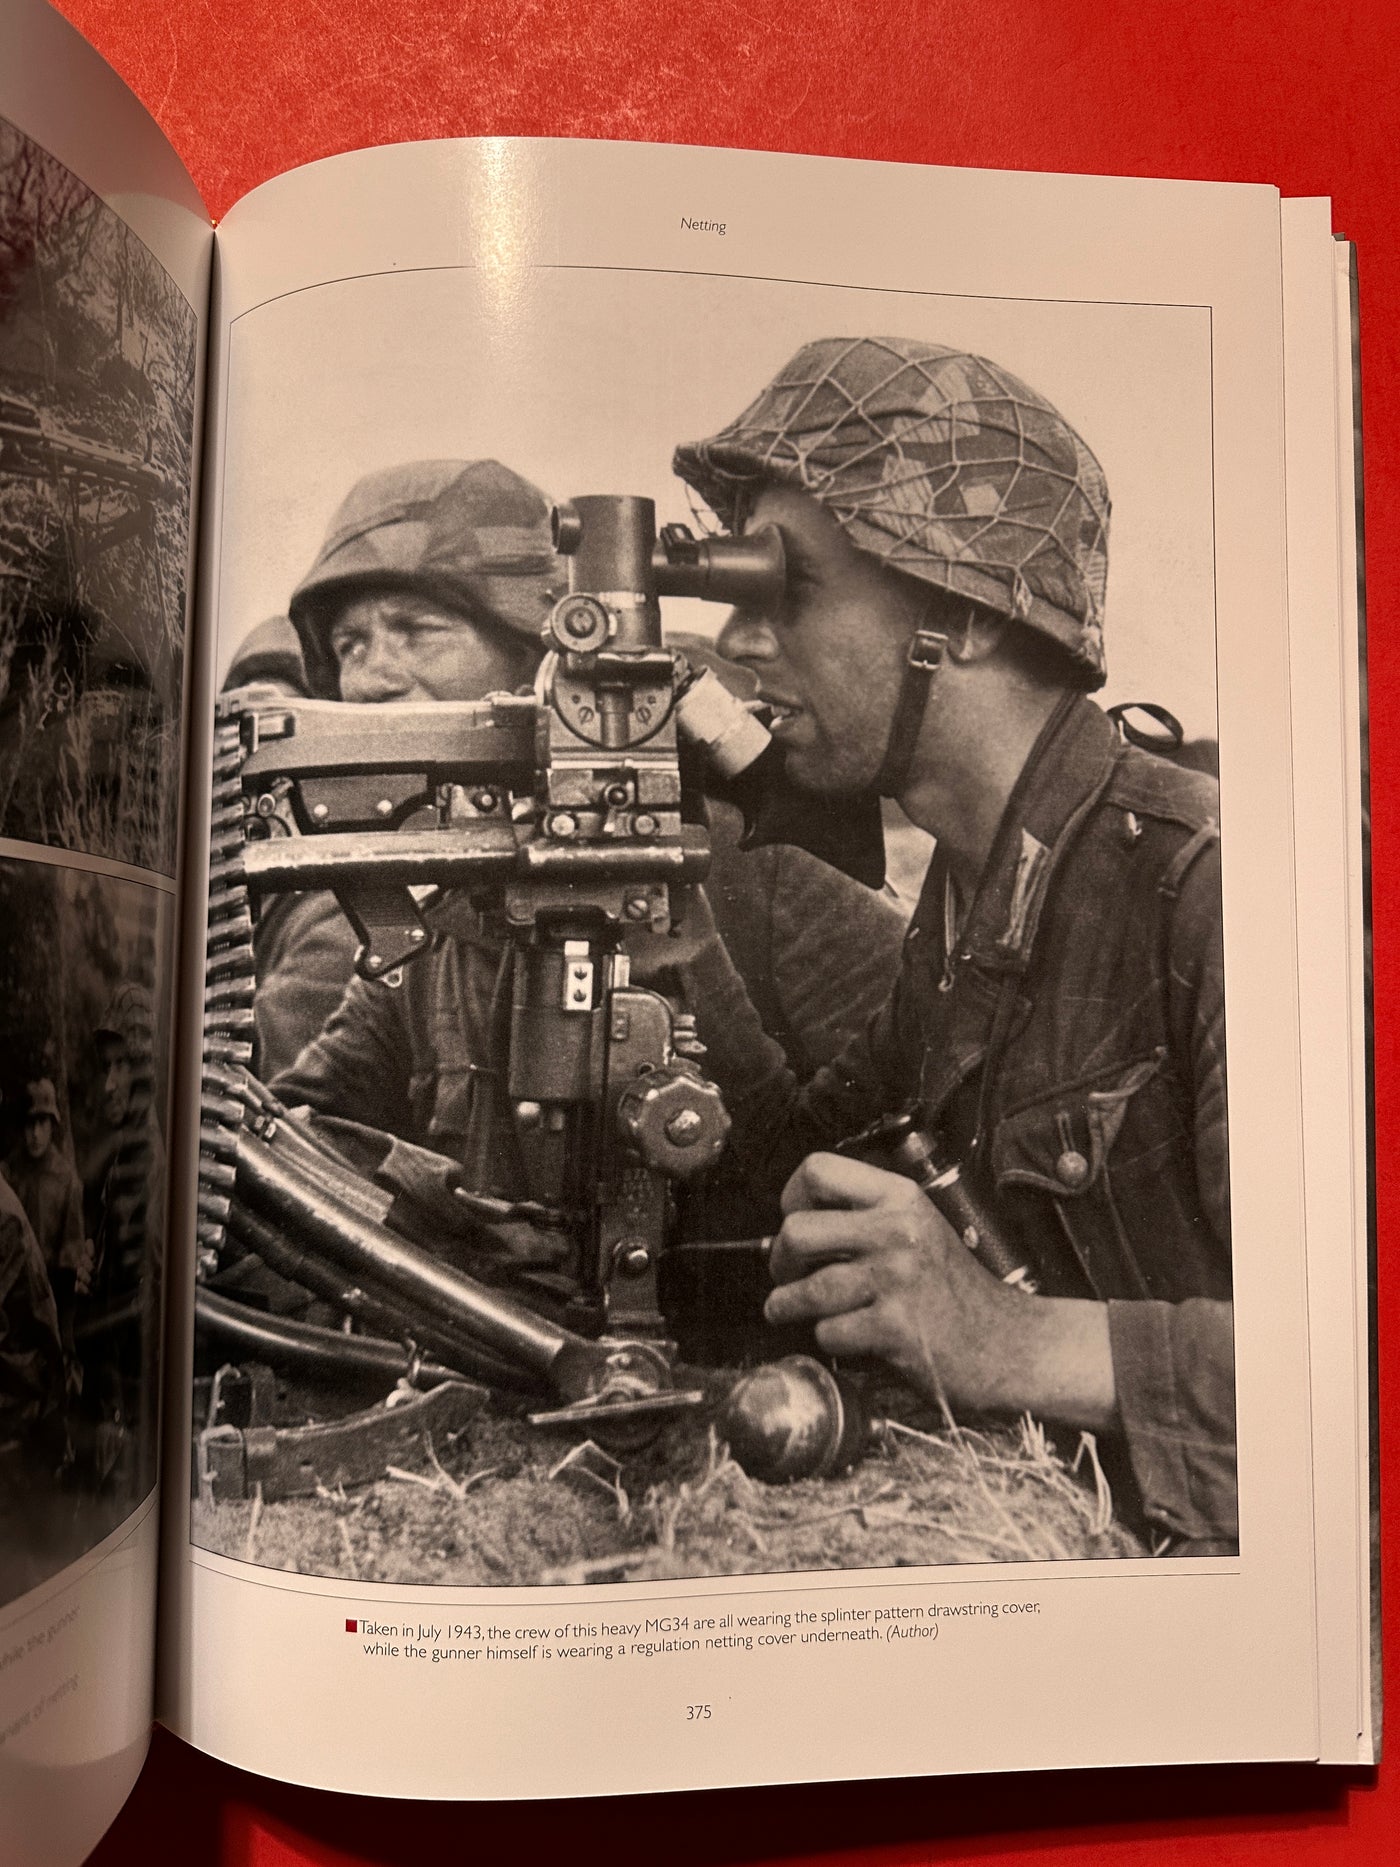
116 1088
398 645
830 656
38 1132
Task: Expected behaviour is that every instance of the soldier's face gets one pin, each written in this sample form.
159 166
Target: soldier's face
116 1087
398 645
830 656
38 1132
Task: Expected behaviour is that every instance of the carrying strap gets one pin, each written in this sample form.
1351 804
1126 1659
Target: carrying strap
1166 736
924 659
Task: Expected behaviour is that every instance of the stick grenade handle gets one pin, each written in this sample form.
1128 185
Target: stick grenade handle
945 1185
915 1153
719 1247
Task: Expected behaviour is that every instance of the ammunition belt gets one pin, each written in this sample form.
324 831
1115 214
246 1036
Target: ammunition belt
230 982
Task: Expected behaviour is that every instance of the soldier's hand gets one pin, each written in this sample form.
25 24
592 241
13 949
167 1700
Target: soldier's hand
865 1257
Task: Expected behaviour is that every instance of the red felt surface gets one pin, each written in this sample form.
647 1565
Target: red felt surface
1295 92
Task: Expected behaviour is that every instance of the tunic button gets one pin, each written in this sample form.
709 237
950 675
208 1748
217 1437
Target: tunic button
1072 1167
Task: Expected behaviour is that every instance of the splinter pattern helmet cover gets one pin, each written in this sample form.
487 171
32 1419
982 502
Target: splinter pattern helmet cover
941 464
472 534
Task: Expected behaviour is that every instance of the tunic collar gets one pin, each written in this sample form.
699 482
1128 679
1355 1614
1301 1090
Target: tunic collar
1064 777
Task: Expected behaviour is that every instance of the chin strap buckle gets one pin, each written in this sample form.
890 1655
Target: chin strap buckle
926 651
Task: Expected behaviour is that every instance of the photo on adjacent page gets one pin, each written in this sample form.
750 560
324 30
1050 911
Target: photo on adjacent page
84 1042
97 376
714 1036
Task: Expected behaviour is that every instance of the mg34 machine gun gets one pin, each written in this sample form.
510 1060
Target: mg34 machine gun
565 813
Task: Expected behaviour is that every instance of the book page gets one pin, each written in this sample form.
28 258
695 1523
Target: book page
624 1500
1328 739
104 257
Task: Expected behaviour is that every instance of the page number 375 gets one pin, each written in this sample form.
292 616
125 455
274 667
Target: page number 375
696 1714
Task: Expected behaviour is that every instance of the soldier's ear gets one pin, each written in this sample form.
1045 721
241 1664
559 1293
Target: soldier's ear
974 633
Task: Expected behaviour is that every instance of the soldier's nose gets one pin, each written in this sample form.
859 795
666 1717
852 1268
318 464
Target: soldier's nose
747 636
379 675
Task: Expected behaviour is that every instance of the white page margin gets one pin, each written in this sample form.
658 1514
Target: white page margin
277 1642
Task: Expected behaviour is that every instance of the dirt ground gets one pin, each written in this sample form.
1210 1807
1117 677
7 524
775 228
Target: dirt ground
510 1504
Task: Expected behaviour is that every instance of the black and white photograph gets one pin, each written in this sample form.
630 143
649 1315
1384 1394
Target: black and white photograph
97 378
715 1012
84 986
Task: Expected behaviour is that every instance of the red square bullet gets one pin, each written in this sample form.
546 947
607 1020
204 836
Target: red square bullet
351 1627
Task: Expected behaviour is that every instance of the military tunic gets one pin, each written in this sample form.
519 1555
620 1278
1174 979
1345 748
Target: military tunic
1070 1044
31 1356
50 1192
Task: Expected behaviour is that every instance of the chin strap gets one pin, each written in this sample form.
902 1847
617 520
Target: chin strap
925 658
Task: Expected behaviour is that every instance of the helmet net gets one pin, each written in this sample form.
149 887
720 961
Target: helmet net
941 464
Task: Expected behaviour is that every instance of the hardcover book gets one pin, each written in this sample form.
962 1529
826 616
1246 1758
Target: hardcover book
683 842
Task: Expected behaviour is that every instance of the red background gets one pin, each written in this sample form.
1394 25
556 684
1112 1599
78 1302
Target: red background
1301 93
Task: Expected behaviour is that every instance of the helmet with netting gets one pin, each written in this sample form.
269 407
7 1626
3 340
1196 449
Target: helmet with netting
470 534
942 465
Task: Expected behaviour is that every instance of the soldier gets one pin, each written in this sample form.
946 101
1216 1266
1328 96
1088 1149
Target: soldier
52 1196
304 946
434 583
31 1353
125 1171
269 656
124 1201
35 1450
1059 1014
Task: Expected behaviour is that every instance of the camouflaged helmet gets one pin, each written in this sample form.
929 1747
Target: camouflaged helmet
470 534
271 652
942 465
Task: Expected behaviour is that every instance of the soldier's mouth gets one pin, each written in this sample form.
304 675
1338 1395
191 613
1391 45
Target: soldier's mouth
780 712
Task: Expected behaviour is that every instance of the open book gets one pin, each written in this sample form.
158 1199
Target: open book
642 790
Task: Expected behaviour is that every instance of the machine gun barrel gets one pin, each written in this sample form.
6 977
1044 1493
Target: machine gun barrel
285 1342
375 1312
574 1367
365 1249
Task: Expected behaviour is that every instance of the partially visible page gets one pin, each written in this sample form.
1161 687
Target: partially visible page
104 261
1328 748
417 349
1363 1014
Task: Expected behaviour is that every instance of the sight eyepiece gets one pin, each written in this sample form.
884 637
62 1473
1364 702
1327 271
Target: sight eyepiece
612 540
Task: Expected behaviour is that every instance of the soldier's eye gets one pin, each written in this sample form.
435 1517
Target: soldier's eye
799 572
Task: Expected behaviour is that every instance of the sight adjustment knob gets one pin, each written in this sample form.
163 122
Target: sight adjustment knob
579 623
